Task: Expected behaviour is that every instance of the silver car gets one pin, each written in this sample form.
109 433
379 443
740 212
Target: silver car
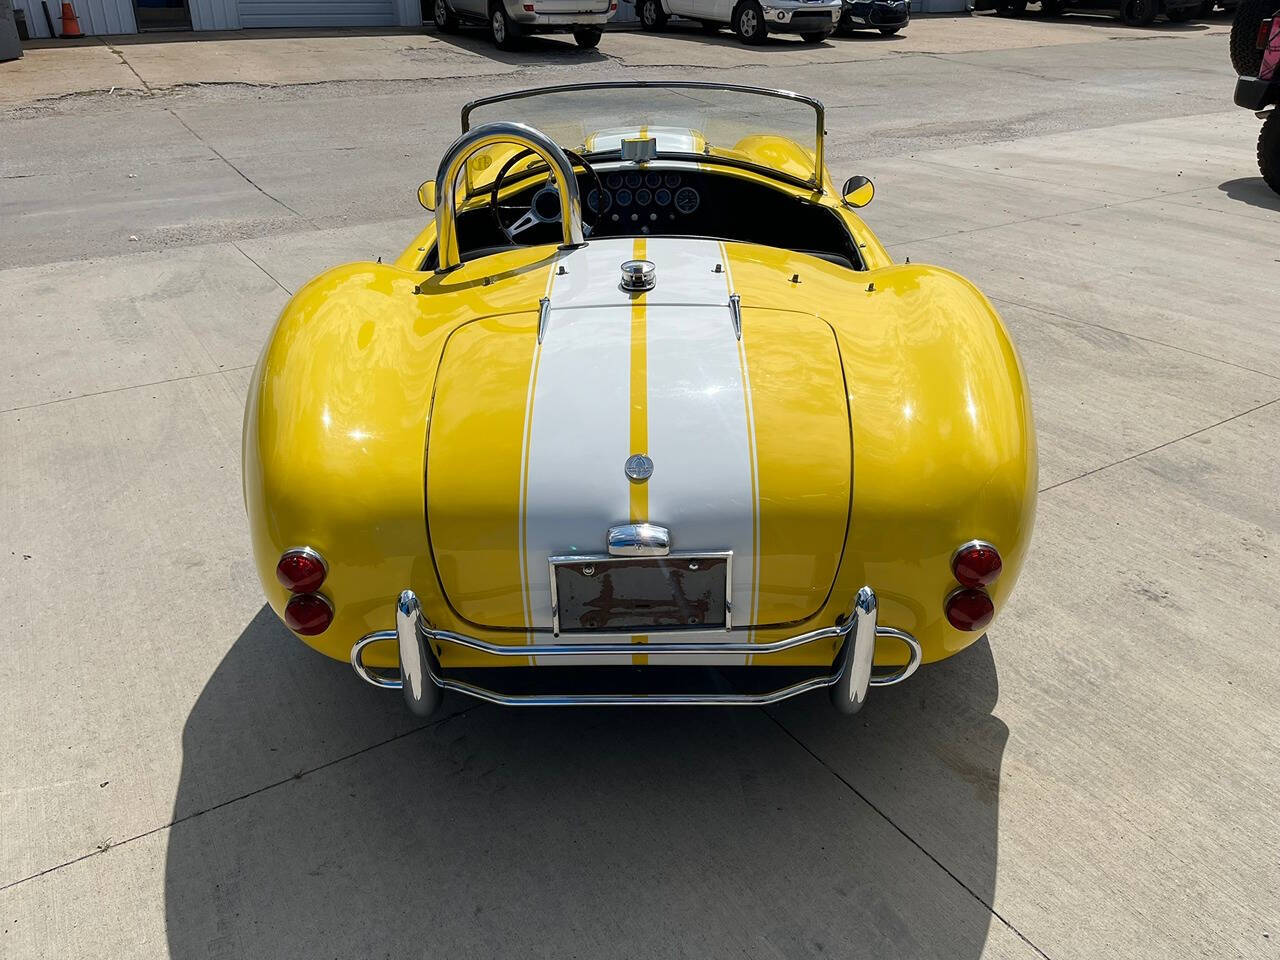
511 20
751 20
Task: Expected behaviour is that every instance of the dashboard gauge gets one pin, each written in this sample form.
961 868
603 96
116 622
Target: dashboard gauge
672 180
653 180
599 201
613 181
634 180
623 197
644 197
662 197
687 199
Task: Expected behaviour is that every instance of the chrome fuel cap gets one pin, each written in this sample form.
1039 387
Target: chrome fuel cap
639 275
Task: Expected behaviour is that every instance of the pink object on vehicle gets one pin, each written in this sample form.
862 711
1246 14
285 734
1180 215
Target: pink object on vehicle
1271 55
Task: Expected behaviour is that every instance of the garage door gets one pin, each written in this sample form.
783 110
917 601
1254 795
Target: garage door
317 13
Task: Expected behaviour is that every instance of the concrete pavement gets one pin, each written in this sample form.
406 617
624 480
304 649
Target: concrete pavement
181 778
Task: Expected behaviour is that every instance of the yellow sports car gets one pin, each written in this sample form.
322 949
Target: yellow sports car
646 415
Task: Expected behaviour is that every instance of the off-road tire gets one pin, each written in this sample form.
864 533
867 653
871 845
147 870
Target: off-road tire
1246 58
652 16
503 31
446 20
586 37
889 31
1138 13
748 23
1269 150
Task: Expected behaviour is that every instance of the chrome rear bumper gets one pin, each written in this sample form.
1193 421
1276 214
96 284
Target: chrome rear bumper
423 681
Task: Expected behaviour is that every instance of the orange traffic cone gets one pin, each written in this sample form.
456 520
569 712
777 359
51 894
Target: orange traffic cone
70 25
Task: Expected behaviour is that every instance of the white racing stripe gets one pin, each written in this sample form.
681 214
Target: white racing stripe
699 436
698 423
578 436
669 139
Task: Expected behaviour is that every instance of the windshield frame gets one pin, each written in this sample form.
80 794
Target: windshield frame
815 182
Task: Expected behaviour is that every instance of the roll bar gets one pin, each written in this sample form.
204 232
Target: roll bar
486 135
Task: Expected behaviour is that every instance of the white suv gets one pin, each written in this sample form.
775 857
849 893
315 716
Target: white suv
510 20
752 20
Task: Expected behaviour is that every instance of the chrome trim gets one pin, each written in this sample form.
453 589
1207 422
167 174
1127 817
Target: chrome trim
626 647
485 135
306 552
848 684
735 314
637 699
544 317
912 664
639 540
366 673
815 181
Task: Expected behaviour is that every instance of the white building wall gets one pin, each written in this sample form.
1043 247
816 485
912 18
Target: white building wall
95 16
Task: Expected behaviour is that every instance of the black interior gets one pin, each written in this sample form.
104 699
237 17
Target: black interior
657 202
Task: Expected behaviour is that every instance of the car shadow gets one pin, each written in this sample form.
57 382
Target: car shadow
533 50
1253 191
687 31
1110 19
315 817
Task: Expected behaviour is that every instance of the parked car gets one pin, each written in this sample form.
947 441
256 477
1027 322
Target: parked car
887 16
509 21
751 20
1261 94
728 431
1135 13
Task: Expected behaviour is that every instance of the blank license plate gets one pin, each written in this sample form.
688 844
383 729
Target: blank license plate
620 594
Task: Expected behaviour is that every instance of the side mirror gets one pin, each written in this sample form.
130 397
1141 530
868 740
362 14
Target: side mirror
858 191
427 195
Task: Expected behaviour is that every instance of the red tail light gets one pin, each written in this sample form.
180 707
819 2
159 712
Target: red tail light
977 564
308 614
969 609
301 570
1264 33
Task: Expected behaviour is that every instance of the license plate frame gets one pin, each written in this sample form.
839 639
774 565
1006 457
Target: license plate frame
584 592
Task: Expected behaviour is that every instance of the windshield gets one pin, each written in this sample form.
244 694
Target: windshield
773 131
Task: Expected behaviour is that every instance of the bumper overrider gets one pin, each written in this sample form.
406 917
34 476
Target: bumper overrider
423 682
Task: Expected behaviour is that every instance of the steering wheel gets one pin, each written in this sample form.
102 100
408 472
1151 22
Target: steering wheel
514 219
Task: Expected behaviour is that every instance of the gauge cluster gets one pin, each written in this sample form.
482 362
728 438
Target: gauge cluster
643 199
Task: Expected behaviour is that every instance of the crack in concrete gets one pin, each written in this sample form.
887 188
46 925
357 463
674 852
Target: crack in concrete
910 839
131 386
243 176
1159 446
125 60
262 268
113 844
1132 336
